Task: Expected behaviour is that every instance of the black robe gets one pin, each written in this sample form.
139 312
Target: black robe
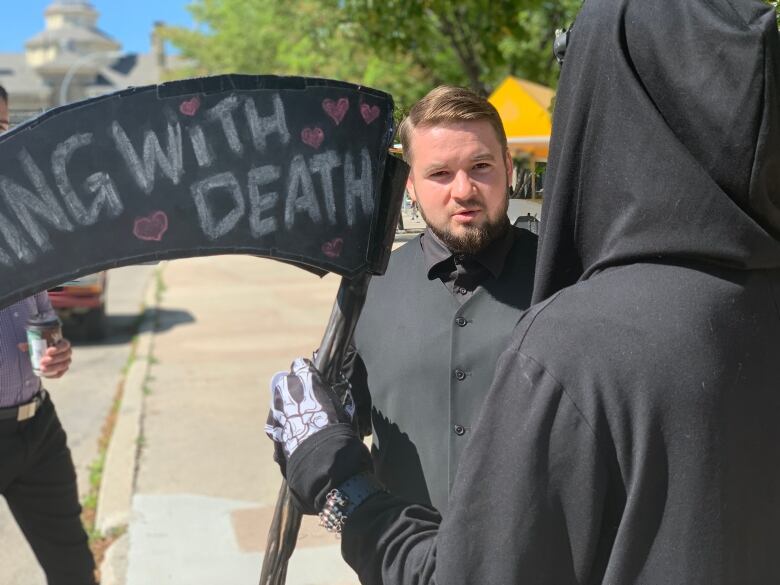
632 431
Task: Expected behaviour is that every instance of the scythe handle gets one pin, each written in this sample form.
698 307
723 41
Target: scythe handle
286 522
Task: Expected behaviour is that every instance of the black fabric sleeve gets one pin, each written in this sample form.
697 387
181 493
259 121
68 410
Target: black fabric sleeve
526 506
324 461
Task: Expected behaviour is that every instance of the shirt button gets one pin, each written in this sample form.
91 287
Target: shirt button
462 290
16 314
459 430
460 375
460 322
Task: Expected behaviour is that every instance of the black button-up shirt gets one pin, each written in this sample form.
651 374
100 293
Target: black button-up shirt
463 273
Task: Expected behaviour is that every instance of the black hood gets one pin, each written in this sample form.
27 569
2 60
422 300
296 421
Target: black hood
666 140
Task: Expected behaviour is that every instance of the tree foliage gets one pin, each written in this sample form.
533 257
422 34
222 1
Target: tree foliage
253 36
305 37
474 43
404 47
530 49
451 42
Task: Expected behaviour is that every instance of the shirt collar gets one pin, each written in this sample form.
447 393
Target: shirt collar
438 257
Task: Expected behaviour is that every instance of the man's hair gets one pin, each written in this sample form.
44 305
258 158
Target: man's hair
449 104
3 94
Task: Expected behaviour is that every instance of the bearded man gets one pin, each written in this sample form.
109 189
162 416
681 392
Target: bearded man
434 325
630 434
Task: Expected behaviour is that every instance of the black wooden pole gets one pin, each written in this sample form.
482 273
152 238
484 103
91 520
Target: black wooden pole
286 522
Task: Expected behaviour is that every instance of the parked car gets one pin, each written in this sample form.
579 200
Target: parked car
82 301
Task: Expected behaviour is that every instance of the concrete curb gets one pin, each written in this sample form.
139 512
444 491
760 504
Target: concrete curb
119 470
113 569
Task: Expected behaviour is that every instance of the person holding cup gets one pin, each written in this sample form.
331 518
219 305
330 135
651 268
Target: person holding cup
37 475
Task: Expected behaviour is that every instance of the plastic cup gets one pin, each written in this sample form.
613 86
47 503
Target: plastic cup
42 332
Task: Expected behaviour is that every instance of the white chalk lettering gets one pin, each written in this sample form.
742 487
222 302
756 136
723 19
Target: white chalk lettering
261 202
358 188
223 112
34 173
16 242
59 161
299 180
98 184
5 258
102 187
203 153
25 204
262 127
212 227
171 163
323 164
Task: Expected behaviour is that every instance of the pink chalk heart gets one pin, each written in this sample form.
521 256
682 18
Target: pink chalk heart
190 107
332 249
336 109
369 113
151 227
313 136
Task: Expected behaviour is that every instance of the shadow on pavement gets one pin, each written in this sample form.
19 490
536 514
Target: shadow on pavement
122 327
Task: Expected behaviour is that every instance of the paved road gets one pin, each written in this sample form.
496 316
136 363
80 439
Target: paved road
83 398
206 482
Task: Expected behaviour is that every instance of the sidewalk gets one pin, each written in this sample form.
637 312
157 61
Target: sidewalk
190 469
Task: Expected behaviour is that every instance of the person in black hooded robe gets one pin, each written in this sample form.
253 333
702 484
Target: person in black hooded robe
632 430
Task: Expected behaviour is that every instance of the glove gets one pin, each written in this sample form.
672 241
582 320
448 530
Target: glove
317 447
303 404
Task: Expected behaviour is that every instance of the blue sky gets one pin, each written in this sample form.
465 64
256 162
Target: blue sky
128 22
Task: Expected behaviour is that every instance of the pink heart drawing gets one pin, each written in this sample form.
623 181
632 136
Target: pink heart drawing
332 249
369 113
190 107
151 227
336 110
313 136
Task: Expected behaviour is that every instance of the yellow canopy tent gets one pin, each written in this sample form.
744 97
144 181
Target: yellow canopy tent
524 107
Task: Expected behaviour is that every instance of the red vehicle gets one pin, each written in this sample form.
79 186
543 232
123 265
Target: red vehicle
83 300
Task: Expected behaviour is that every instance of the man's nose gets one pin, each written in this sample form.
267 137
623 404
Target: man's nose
462 186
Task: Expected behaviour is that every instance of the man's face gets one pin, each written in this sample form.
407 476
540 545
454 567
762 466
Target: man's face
4 121
459 178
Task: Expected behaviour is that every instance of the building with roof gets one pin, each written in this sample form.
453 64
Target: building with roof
72 59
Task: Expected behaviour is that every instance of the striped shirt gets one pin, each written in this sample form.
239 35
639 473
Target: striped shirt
18 384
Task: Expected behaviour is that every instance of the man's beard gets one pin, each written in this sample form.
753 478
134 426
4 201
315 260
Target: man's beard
476 238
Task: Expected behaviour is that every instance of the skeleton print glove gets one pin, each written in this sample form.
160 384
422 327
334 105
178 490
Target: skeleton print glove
302 404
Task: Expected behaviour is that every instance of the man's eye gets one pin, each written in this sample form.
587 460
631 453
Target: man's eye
482 166
438 174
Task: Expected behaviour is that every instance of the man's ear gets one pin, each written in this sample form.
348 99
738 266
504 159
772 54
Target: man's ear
410 189
509 167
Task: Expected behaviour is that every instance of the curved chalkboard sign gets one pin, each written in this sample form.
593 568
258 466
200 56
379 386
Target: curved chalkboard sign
291 168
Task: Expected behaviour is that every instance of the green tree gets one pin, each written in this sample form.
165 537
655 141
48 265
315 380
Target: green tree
475 43
530 50
254 36
450 42
404 47
305 37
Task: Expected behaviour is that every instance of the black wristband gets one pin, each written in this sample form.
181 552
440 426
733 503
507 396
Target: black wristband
345 499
